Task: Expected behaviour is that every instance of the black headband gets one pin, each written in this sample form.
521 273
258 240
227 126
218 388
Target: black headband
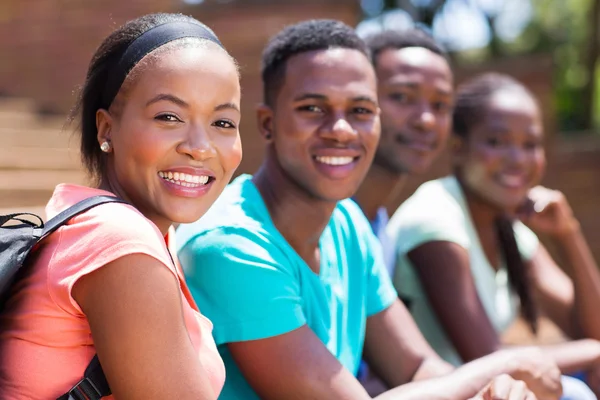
147 42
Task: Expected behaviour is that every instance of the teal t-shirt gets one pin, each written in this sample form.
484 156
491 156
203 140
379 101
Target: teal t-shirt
249 281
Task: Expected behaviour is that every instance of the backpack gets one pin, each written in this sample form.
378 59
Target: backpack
17 241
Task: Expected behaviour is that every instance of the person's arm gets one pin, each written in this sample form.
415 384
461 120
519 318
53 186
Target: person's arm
505 387
573 305
501 387
445 275
296 365
555 293
397 351
446 278
134 309
527 364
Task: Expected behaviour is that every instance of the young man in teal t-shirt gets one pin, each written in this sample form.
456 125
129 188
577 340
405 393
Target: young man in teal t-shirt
290 273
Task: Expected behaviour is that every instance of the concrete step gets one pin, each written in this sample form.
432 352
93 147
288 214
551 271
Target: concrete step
31 180
27 120
39 158
37 137
10 198
17 104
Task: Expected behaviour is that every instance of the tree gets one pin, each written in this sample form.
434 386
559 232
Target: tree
567 29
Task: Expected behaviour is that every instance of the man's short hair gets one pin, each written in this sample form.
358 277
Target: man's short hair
396 40
300 38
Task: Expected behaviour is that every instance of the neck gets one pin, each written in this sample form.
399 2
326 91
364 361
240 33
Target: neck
483 214
110 184
297 215
379 187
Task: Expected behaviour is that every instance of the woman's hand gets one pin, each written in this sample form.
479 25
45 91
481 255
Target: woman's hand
547 211
504 387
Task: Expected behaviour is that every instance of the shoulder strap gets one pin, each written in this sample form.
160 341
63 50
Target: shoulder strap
93 386
76 209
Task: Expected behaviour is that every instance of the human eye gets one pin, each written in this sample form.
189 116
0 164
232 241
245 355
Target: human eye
532 145
363 110
224 123
441 106
399 97
493 141
167 117
310 108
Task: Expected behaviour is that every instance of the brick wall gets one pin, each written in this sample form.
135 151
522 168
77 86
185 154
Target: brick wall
45 50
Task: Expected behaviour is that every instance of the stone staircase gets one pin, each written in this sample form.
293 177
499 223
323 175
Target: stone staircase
36 154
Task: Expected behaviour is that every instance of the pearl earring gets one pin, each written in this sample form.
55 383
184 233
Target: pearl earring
105 147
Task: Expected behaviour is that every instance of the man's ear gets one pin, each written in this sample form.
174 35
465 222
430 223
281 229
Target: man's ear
458 147
104 123
264 117
456 144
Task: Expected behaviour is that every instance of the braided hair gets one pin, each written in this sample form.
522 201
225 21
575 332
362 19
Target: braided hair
472 98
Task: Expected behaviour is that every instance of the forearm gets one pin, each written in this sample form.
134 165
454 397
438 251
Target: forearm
574 356
464 383
586 281
432 367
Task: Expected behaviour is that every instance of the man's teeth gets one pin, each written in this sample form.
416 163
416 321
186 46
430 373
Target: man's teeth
182 179
335 160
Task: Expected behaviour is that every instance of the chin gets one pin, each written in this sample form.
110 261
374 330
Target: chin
505 204
417 170
187 216
336 195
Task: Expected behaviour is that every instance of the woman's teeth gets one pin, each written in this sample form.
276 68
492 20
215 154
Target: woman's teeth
187 180
335 160
512 180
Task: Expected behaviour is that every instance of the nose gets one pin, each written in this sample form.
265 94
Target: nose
339 129
424 118
197 145
517 155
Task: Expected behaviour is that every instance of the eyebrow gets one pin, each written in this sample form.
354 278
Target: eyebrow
227 106
415 86
181 103
317 96
167 97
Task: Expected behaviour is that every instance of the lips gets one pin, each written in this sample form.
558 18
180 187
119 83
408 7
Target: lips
419 145
336 163
513 180
187 181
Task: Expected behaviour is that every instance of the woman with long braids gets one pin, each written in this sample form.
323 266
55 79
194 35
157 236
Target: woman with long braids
468 257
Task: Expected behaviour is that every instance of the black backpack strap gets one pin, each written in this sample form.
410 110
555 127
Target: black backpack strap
17 216
76 209
93 386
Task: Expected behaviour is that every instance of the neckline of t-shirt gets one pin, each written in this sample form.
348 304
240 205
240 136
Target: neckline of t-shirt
262 206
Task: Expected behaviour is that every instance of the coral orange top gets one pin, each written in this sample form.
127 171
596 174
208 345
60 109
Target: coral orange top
45 339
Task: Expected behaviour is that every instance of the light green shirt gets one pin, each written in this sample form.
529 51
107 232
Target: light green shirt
437 211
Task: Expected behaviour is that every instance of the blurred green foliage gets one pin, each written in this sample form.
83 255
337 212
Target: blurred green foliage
564 28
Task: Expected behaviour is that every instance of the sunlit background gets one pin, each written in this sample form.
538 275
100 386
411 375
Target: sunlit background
550 45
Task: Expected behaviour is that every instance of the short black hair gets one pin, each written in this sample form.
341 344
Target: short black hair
396 40
311 35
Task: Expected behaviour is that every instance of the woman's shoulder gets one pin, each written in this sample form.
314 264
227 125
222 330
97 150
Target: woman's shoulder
433 202
113 222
